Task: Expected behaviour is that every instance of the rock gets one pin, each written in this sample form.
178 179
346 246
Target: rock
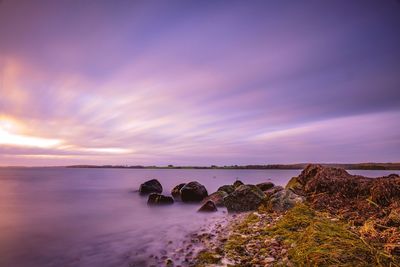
227 188
193 192
354 197
269 259
151 186
169 262
176 191
237 183
265 186
273 190
283 200
316 178
157 199
209 206
217 198
244 198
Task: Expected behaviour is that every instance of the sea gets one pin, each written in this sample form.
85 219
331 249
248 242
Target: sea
73 217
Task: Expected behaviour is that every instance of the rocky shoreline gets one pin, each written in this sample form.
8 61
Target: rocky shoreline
324 217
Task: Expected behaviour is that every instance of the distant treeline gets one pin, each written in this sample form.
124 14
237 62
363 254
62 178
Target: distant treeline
355 166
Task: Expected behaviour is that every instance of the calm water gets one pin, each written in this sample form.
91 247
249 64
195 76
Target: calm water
93 217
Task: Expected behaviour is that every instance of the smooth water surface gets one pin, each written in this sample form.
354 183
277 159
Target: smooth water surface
94 217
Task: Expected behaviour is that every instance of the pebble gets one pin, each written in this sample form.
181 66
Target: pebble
269 259
169 263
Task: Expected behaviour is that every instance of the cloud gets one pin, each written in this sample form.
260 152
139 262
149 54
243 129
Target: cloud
198 83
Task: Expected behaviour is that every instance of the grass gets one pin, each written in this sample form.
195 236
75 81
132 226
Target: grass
205 258
312 238
316 240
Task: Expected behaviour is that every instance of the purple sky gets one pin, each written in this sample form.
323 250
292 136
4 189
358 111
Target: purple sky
199 82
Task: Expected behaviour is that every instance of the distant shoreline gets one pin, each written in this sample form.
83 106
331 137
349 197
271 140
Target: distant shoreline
299 166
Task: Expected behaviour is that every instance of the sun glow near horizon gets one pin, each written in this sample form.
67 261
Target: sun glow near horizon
199 84
8 137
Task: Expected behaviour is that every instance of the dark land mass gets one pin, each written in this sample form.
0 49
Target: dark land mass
298 166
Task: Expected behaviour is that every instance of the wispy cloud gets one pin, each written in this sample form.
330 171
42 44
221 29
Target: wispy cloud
195 83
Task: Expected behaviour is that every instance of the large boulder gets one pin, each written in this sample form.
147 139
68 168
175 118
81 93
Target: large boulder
193 192
217 198
282 200
227 188
151 186
176 191
357 197
209 206
319 179
265 186
244 198
158 199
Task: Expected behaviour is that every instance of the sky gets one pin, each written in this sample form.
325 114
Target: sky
199 82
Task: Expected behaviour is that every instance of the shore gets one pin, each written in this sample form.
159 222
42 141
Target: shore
344 220
297 166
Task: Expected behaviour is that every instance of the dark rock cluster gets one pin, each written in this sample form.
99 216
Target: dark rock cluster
237 197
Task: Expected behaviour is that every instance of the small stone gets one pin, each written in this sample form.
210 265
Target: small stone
209 206
169 262
269 259
273 242
237 183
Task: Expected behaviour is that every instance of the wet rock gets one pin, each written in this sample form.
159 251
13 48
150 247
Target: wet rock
158 199
151 186
265 186
273 190
193 192
176 191
169 262
244 198
217 198
283 200
237 183
209 206
227 188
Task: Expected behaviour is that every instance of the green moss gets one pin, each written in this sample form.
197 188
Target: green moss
312 239
235 245
207 257
294 185
316 240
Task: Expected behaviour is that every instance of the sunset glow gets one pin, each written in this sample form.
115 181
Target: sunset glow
198 84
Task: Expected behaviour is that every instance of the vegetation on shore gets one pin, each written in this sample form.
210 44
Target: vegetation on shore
345 220
300 237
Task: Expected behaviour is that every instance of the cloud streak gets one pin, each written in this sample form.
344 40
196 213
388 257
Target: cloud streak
199 83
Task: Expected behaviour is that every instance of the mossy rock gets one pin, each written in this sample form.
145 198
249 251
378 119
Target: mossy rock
295 186
226 188
206 257
244 198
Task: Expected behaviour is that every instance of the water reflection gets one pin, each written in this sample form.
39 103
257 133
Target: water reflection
92 217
